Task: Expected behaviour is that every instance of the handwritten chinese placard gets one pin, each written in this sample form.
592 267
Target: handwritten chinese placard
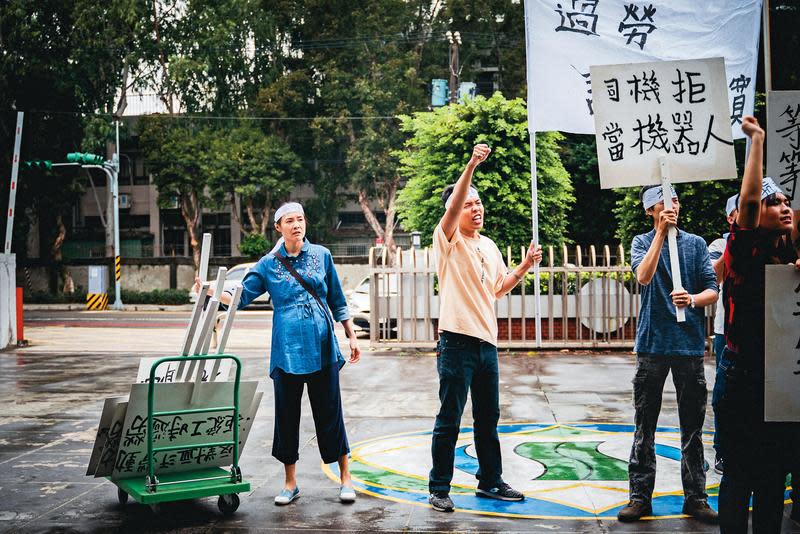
783 141
672 109
782 344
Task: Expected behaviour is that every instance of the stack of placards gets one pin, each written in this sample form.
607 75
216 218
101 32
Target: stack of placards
120 448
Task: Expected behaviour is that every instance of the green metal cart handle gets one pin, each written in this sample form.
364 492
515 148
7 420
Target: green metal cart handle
151 415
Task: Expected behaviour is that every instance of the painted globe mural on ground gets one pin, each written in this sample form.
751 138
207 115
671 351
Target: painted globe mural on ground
566 471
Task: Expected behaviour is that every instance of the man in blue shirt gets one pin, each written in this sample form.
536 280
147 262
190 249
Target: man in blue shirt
663 345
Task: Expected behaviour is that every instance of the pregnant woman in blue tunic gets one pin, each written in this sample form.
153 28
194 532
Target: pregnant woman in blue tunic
307 298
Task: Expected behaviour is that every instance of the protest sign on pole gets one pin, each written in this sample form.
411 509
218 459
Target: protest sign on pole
568 36
671 109
783 141
659 123
781 345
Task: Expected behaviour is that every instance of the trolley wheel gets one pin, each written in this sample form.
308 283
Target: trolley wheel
228 504
155 508
122 497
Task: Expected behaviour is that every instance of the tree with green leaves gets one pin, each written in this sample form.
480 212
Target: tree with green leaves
260 171
177 153
438 149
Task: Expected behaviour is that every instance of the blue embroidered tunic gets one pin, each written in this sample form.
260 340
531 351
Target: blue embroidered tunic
303 340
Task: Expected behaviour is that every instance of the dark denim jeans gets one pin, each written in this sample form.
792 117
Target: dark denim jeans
758 455
466 364
648 387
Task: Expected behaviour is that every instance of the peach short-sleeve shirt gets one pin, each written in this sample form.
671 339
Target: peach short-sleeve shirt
471 272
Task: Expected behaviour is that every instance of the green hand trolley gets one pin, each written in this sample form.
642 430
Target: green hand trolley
203 482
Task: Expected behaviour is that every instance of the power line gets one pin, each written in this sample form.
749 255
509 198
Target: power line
221 117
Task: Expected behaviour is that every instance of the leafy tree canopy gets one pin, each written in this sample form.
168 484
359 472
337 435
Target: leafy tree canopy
439 147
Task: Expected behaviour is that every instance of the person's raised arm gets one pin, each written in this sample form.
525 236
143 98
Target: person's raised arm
646 268
750 195
449 221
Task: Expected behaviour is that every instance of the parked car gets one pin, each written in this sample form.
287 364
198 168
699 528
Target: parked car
233 278
358 300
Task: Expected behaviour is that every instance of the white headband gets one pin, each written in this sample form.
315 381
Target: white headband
473 193
654 195
769 187
289 207
732 204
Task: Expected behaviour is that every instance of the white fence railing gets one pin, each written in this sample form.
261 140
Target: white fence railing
8 300
588 300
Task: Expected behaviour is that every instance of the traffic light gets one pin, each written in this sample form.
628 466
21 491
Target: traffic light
84 158
39 164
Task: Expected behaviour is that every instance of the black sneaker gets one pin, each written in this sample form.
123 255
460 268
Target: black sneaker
718 465
634 511
700 510
440 501
503 492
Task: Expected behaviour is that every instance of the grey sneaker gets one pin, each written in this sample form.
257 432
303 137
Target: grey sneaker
503 492
440 501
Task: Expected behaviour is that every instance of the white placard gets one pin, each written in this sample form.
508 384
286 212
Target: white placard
781 341
671 109
568 36
170 371
783 141
189 429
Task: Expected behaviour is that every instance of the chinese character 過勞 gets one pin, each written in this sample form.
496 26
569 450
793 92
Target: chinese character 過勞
582 19
640 28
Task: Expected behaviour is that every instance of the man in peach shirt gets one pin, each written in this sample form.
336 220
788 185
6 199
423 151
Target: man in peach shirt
472 276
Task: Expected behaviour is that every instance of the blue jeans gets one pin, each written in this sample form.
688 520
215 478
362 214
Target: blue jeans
466 364
758 455
648 387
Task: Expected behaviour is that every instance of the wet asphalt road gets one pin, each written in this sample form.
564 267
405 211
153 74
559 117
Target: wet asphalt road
51 394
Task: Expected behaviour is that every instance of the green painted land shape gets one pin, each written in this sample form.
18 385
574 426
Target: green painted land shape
383 477
562 432
573 461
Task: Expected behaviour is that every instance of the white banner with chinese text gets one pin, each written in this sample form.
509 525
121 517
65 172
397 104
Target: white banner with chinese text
566 37
781 335
783 141
671 109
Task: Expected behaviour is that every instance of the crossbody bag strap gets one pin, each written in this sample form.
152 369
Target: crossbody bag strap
299 278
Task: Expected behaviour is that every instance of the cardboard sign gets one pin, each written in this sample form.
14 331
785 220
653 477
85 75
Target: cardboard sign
677 110
783 141
194 429
109 406
169 371
782 344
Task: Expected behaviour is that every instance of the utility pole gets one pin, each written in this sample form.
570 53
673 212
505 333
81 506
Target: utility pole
111 168
455 42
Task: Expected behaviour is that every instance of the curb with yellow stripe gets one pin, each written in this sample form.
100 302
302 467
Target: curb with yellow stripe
97 301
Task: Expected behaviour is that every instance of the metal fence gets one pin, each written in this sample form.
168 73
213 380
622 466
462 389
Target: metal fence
588 300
